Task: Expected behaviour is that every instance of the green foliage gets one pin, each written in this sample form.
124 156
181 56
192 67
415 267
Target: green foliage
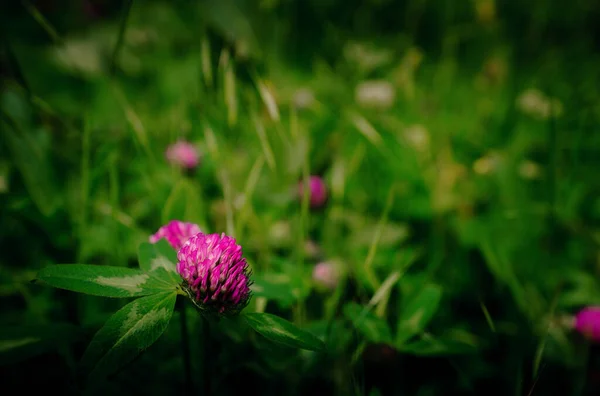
105 281
184 202
30 154
159 260
127 333
451 342
374 329
277 287
282 331
418 310
18 343
140 323
134 327
463 212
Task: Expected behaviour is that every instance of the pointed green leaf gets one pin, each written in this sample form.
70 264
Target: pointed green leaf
128 332
280 330
155 255
161 259
417 312
373 328
105 281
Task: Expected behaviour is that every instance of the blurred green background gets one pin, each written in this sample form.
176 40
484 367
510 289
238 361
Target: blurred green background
460 145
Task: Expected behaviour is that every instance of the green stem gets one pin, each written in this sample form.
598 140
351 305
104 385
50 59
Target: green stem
120 37
206 342
39 18
185 349
14 67
553 165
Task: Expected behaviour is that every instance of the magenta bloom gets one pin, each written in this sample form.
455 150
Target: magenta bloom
326 274
215 274
318 191
587 322
183 154
176 233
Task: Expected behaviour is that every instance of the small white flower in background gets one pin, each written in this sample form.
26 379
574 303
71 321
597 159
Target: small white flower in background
417 137
140 37
534 103
487 164
239 201
367 57
529 170
280 233
81 55
311 249
375 93
303 98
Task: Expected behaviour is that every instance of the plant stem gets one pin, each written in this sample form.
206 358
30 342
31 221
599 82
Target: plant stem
185 349
119 43
206 355
39 18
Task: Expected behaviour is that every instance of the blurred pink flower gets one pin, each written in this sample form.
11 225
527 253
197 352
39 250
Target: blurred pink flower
326 274
587 322
183 154
318 191
216 274
176 233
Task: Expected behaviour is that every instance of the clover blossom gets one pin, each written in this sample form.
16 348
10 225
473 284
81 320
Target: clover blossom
216 276
317 191
183 154
326 274
587 322
176 233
